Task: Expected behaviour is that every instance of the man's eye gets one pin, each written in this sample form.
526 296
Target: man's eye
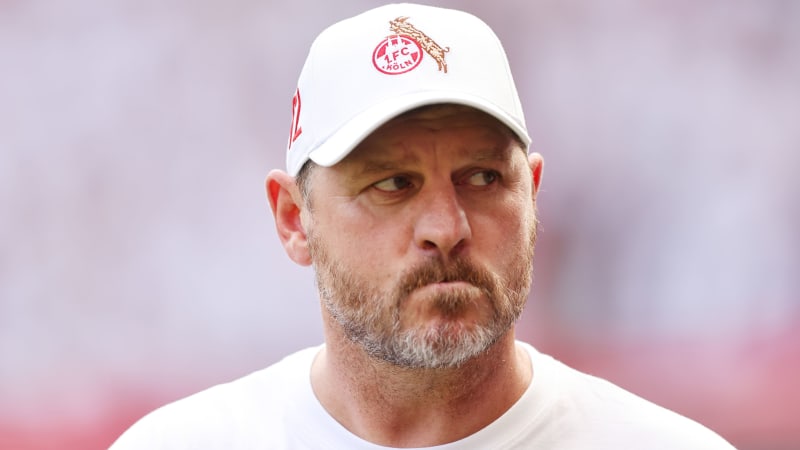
393 184
483 178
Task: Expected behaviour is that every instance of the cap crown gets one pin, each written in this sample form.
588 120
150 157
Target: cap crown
363 71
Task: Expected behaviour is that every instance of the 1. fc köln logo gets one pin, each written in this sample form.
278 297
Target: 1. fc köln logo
403 51
397 54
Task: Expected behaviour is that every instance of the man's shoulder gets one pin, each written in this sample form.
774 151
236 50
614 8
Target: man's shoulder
233 410
595 411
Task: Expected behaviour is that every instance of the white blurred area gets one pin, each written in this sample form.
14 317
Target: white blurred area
138 258
671 136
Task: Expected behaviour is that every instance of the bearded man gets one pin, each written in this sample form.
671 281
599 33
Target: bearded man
411 191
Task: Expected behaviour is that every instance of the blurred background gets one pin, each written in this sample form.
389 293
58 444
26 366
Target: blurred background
138 258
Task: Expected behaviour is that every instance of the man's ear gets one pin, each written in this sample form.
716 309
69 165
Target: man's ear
537 164
286 204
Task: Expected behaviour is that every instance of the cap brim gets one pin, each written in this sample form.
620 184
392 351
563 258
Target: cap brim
343 141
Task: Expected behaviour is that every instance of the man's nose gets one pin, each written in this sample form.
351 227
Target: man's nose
441 224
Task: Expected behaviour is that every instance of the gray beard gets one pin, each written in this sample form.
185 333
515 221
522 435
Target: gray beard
444 347
371 319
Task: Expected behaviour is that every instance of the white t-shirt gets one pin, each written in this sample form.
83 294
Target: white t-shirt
275 408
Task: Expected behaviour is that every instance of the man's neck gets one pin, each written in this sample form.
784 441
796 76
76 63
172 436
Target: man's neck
400 407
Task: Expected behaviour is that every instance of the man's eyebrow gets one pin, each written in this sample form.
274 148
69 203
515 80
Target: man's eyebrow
500 153
378 163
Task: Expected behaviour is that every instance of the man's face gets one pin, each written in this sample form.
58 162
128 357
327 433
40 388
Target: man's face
422 238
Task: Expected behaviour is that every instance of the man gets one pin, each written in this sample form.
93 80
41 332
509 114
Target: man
411 192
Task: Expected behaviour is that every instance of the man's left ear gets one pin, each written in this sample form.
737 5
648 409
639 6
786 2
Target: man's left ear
286 204
537 164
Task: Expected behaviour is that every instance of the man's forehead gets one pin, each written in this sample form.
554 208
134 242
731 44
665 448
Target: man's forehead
448 111
438 110
488 133
378 159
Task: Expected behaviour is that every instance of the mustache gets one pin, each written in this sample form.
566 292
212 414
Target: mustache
436 271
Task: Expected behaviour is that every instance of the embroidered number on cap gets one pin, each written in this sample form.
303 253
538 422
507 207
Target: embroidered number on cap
296 129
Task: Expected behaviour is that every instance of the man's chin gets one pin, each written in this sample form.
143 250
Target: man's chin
447 329
443 344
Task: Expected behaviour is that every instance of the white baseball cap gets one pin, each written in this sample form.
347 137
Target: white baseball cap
365 70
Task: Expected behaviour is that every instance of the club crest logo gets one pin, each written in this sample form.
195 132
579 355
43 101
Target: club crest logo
397 54
403 51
